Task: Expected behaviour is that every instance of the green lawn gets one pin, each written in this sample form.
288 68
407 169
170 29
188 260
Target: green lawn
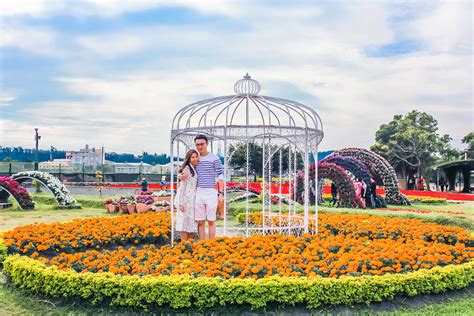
15 301
46 211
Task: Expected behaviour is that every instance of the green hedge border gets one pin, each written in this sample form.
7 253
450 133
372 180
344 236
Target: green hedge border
3 250
185 291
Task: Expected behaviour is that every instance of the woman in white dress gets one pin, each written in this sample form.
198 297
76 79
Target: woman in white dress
185 223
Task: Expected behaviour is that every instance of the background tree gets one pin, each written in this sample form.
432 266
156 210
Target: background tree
469 140
411 143
239 158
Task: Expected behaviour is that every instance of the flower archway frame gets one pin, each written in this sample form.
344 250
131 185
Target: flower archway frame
11 187
52 183
351 164
381 169
342 180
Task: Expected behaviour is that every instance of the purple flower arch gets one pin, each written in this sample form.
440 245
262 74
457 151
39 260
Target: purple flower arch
351 164
381 170
337 174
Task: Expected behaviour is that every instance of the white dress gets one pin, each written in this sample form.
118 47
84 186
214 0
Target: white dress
185 197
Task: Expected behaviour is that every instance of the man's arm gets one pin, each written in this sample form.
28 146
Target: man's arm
220 175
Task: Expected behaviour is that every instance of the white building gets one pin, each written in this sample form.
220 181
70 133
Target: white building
166 168
56 164
132 167
87 156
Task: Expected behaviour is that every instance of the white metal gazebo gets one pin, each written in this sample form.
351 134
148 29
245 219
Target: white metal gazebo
286 131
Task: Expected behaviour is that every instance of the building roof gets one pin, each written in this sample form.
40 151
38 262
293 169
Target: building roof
130 164
455 163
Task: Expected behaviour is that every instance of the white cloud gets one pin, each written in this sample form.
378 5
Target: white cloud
41 41
107 8
446 28
321 53
111 46
33 8
6 98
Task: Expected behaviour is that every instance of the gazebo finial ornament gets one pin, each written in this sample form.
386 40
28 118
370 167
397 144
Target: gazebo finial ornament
247 86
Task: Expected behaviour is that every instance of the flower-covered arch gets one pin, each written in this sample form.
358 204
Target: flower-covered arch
10 187
380 169
342 180
59 190
351 164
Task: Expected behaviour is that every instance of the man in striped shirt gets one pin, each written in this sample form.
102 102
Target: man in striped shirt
209 172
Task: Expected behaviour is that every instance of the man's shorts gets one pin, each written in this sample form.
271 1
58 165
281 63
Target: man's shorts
205 206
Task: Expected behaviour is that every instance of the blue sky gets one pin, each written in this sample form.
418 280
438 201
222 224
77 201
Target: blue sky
114 73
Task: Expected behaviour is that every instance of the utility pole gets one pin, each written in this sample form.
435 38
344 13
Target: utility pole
51 153
102 164
37 138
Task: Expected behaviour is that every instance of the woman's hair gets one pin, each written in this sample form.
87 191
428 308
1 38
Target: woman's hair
187 161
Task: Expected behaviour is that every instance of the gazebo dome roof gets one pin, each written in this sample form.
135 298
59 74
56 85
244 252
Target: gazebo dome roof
248 114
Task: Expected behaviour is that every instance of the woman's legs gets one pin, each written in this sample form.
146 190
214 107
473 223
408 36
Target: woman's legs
201 229
184 235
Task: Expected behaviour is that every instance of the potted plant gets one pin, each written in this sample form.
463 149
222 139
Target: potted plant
132 207
123 202
161 196
161 206
111 205
144 203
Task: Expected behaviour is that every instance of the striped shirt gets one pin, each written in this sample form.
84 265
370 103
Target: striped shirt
209 169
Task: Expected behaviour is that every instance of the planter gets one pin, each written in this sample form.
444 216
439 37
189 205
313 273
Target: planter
112 208
161 198
123 209
137 195
143 208
132 208
160 209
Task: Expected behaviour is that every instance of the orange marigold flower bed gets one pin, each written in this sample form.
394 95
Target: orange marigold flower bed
261 256
82 234
345 245
376 227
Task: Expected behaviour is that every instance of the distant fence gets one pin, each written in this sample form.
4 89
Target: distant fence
84 173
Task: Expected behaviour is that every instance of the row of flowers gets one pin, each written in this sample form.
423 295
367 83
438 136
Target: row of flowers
143 202
82 234
102 232
376 227
263 256
446 195
59 190
427 199
8 186
428 211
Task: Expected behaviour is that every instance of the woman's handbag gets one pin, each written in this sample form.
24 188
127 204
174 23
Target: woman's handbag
220 209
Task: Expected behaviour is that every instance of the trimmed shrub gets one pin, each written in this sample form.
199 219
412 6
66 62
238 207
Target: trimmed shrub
203 292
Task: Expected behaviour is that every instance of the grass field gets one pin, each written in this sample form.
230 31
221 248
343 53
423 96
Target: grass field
45 211
15 301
